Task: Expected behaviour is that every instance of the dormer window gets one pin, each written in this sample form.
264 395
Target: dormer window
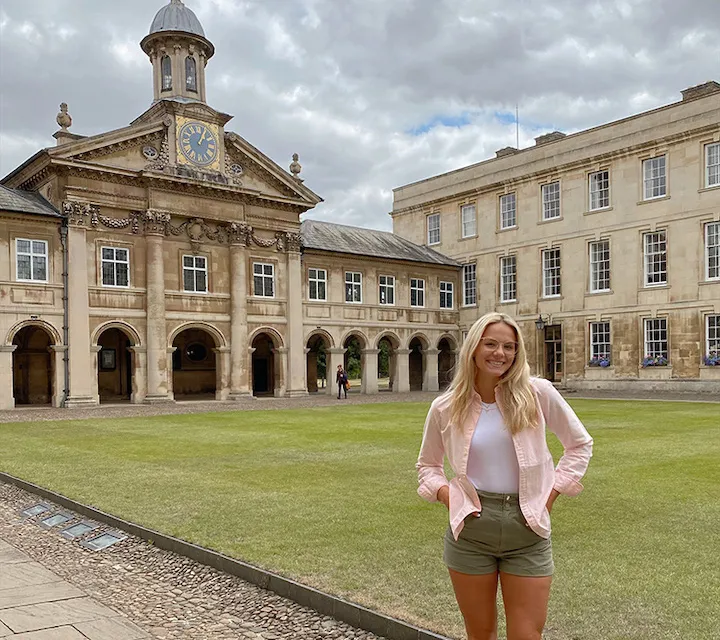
166 71
190 74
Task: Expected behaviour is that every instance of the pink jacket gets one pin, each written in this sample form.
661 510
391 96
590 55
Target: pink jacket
538 476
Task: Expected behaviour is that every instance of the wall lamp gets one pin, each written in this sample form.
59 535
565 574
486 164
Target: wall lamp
540 323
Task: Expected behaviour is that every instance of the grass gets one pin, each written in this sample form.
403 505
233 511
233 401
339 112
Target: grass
327 496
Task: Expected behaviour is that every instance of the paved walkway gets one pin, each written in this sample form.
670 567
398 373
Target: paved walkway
36 604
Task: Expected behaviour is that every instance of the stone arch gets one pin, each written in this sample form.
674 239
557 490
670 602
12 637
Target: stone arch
451 340
355 343
34 369
422 338
126 328
52 331
417 364
117 361
390 336
219 338
447 358
268 362
317 344
198 350
277 339
387 343
321 332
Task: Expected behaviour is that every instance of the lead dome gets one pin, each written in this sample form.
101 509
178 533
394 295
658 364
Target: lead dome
176 17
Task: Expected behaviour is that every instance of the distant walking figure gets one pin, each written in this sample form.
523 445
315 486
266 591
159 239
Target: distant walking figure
342 381
490 425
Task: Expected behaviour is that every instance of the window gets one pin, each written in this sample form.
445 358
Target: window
417 292
551 273
387 289
599 189
712 251
317 284
655 259
166 72
656 345
469 285
263 280
600 341
190 74
195 274
433 229
469 222
654 178
446 295
31 260
115 267
712 165
551 200
712 336
353 286
508 279
600 266
508 212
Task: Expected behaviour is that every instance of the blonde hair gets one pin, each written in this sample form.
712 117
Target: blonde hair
517 397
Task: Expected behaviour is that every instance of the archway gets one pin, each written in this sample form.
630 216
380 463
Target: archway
387 361
317 361
33 366
263 365
416 364
353 361
194 365
115 365
446 363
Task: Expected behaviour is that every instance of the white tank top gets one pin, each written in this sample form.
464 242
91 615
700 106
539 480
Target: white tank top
492 463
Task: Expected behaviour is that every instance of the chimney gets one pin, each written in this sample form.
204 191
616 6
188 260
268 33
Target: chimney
505 151
700 91
549 137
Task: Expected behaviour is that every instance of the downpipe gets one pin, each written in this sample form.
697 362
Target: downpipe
66 310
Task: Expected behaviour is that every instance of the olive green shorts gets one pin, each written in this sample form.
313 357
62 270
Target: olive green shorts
498 540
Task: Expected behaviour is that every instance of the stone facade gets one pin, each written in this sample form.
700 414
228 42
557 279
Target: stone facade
609 236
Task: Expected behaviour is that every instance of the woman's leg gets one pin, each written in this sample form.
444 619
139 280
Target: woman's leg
476 597
526 603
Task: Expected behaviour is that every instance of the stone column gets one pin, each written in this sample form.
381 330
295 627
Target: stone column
222 364
370 370
239 359
337 357
157 355
94 351
139 369
169 368
297 367
57 353
281 367
430 370
402 371
81 369
7 396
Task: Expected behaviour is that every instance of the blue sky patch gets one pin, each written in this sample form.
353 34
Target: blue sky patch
457 122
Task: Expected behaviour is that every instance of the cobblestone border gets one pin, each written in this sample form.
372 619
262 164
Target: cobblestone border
323 603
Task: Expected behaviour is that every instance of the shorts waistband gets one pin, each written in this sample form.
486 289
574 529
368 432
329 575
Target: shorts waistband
489 496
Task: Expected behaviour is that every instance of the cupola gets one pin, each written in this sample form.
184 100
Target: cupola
179 51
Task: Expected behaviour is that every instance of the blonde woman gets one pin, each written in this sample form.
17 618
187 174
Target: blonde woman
491 427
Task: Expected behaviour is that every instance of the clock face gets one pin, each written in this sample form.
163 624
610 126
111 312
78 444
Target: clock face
198 143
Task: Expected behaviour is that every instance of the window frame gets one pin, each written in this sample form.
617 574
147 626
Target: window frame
317 280
32 255
708 147
388 287
469 284
195 269
463 222
356 285
647 256
596 346
505 211
507 260
445 291
716 247
188 75
716 338
435 217
545 201
645 179
551 273
662 326
265 277
594 270
166 75
419 290
114 262
605 189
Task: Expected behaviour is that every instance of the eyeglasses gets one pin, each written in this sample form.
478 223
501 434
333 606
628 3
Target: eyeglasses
491 345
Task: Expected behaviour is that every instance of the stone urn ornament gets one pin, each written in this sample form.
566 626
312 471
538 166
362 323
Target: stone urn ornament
64 119
296 167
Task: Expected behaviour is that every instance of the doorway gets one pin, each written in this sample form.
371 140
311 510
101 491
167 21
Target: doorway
553 353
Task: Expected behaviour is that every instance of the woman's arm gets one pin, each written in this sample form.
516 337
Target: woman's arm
431 473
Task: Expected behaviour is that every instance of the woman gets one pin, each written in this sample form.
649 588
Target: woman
342 381
491 426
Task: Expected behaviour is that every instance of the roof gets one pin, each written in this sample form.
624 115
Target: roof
26 202
340 238
176 17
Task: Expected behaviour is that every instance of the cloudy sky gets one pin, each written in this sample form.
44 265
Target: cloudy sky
372 94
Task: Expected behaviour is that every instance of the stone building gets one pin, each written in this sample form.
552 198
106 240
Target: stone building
167 259
604 244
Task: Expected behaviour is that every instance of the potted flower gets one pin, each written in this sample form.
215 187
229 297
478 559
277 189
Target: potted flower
712 359
654 361
599 361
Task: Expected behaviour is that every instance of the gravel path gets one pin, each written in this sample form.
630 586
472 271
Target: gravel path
168 596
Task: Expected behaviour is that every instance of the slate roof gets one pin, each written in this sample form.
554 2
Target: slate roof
340 238
26 202
176 17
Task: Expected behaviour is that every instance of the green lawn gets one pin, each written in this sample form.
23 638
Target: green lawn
327 496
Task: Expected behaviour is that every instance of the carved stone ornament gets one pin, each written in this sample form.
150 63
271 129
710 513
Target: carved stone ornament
155 222
162 159
133 221
168 120
240 233
150 152
236 169
64 119
293 242
77 213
